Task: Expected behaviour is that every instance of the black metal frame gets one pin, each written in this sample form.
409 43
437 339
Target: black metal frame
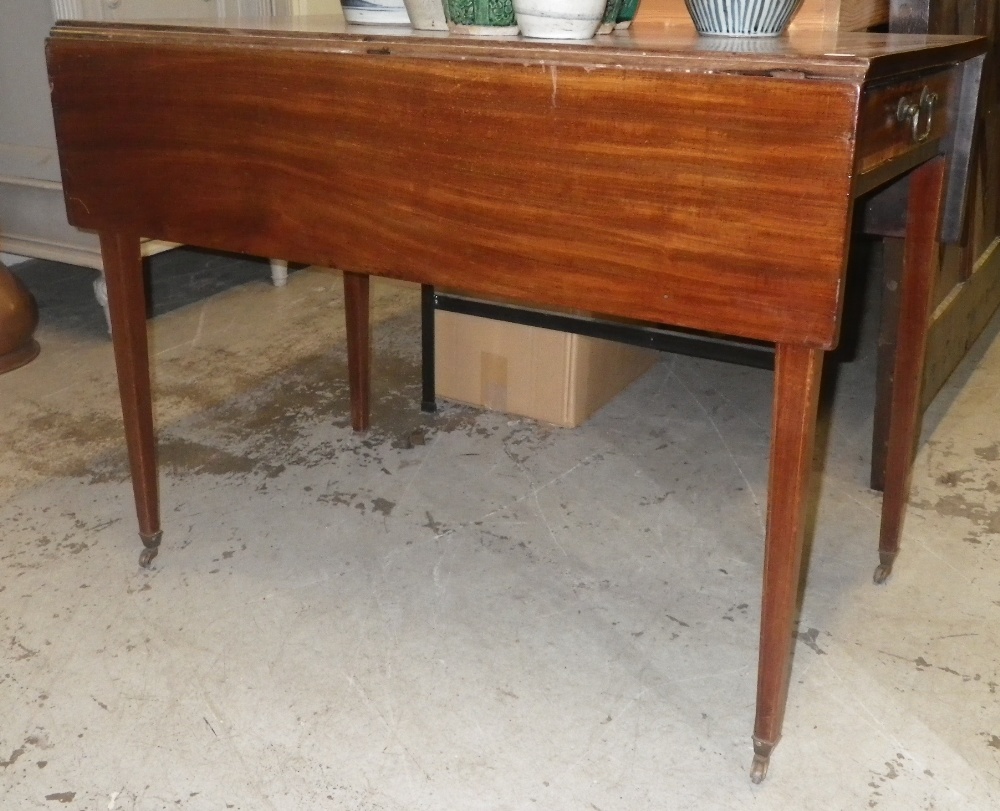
682 342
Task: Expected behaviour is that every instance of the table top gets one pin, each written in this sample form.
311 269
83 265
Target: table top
639 175
850 55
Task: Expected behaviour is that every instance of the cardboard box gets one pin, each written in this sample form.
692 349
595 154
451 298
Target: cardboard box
539 373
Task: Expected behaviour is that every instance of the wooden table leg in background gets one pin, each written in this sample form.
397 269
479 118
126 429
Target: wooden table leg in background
127 304
357 313
921 258
892 274
793 432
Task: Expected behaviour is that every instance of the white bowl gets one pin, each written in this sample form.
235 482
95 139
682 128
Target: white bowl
742 18
559 19
380 12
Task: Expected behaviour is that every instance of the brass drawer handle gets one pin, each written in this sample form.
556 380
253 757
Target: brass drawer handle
911 112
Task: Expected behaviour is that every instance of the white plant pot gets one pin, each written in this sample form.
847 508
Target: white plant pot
559 19
427 15
375 12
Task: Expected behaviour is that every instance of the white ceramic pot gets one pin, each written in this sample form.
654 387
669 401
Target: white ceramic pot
427 15
375 12
559 19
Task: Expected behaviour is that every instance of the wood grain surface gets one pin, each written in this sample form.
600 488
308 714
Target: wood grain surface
622 192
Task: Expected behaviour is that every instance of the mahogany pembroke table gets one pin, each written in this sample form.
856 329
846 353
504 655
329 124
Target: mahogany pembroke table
696 182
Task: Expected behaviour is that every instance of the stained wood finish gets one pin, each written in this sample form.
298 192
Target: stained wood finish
126 284
793 432
921 256
886 353
592 130
884 137
485 212
357 314
644 176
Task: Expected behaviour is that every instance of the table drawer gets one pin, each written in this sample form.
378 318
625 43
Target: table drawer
901 116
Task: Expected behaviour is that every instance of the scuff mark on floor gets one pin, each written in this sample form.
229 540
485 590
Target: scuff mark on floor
988 453
17 753
808 638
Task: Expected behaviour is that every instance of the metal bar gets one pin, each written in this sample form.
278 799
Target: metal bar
428 400
694 344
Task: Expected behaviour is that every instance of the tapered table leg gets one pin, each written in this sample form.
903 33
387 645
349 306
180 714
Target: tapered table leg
796 391
892 274
921 258
126 285
356 308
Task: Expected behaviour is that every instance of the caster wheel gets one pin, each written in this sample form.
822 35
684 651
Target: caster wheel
758 770
152 543
882 572
146 557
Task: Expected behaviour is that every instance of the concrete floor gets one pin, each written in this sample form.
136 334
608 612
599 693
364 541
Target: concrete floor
466 610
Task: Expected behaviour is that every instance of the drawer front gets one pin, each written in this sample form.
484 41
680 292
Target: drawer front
902 116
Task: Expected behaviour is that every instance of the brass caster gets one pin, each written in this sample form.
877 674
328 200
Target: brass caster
884 568
761 758
882 572
152 544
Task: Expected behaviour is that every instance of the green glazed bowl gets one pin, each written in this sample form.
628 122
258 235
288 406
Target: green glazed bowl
490 18
627 13
610 17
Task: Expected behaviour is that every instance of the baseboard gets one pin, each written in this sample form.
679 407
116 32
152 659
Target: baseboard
21 248
10 259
